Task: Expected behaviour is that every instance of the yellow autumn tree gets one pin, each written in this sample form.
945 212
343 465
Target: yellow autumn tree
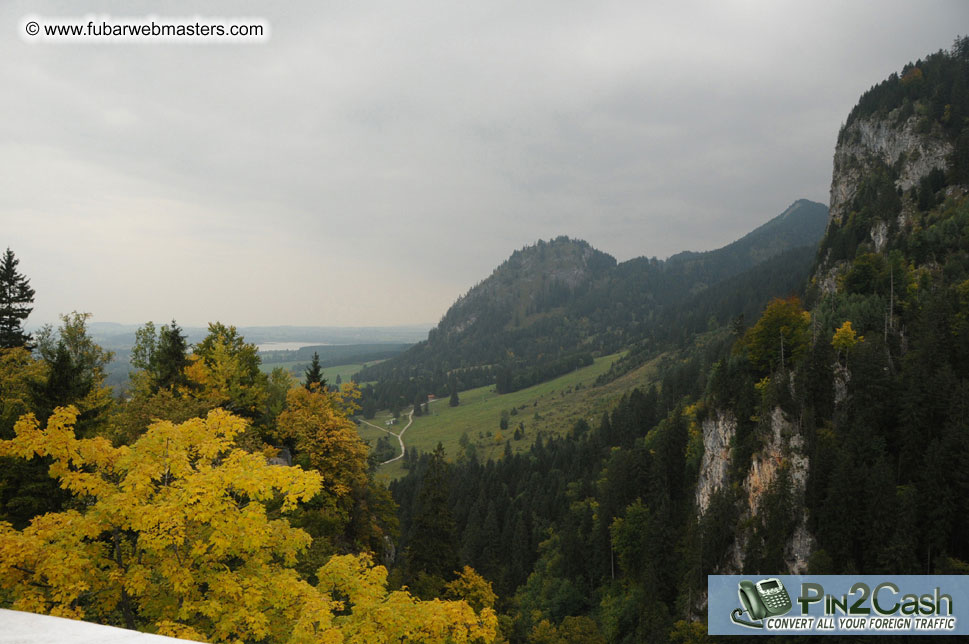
174 531
472 588
17 370
173 535
348 508
845 337
572 630
376 616
317 423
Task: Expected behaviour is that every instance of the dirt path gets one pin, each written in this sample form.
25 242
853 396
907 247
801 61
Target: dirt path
400 436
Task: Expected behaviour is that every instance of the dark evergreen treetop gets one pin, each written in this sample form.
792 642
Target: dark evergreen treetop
170 358
314 374
163 356
935 88
432 545
67 383
16 298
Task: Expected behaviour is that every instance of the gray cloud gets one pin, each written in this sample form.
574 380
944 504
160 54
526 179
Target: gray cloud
373 160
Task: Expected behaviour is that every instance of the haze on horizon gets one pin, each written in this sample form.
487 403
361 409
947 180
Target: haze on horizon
372 161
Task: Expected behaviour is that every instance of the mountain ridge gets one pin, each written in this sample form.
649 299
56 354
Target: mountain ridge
554 305
829 436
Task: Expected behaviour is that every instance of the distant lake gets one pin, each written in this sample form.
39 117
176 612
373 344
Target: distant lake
287 346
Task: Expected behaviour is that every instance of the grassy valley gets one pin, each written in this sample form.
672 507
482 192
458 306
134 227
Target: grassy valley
547 409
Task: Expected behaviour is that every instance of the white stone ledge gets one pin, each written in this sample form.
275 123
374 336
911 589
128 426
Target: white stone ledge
27 628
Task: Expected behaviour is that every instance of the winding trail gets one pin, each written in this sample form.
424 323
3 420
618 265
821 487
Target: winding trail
400 436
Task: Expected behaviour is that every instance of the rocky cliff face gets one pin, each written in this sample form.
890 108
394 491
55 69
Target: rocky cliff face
874 141
784 448
718 433
906 149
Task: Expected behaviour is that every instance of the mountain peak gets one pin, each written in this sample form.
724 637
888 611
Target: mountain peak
532 280
799 207
562 259
803 222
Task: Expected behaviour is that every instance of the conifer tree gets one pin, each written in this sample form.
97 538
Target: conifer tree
67 383
314 374
452 385
432 552
170 358
75 372
16 298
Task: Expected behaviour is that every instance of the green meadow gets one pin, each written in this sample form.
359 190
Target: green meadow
549 408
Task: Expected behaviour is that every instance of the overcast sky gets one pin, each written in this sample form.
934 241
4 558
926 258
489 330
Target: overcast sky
373 160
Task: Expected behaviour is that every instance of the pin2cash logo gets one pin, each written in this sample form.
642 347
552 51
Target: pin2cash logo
765 598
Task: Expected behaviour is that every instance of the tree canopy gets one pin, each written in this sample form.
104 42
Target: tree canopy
781 334
185 534
16 298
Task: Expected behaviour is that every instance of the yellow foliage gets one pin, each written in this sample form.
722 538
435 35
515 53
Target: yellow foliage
762 385
317 422
544 632
845 337
17 370
694 445
689 632
912 75
174 536
375 615
223 382
346 398
181 631
472 588
163 519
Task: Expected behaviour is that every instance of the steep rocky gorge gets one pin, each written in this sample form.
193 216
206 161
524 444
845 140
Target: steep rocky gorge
891 165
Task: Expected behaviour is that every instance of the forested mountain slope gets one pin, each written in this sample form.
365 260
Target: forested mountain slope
830 435
553 306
